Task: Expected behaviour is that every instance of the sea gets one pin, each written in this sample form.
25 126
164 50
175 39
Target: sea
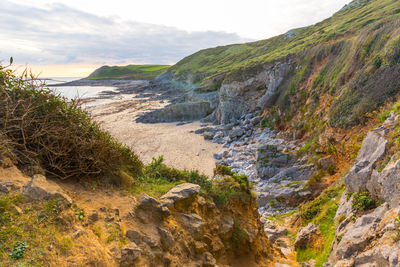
73 92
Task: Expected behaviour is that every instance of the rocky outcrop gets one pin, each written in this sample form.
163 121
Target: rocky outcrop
306 236
178 112
180 193
370 238
240 97
278 176
42 189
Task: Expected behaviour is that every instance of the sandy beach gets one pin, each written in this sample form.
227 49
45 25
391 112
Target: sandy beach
178 144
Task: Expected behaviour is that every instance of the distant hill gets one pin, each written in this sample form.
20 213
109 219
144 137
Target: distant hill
130 72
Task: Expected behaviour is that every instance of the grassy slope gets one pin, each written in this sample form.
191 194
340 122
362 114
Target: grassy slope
228 59
133 72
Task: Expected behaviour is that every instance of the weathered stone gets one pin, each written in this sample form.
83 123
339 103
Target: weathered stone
166 238
93 217
150 241
179 193
42 189
358 235
326 162
236 132
129 254
208 260
150 209
193 223
221 154
306 236
372 149
208 135
389 184
134 236
226 224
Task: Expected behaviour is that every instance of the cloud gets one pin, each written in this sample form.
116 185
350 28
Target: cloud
59 34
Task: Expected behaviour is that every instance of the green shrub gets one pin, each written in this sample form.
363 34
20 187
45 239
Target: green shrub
362 201
239 236
48 131
222 170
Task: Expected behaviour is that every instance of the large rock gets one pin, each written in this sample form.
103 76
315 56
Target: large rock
387 186
193 223
372 149
129 254
236 132
357 236
179 193
166 238
42 189
150 209
306 236
178 112
239 97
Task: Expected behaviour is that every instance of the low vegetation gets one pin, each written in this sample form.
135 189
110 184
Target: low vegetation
130 72
227 188
28 229
321 211
44 131
362 201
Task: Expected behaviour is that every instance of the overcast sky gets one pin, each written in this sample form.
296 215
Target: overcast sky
79 35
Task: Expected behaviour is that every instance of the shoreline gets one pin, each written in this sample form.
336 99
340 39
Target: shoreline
116 112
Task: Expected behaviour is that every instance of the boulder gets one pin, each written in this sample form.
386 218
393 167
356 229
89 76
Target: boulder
372 149
193 223
42 189
150 209
129 254
221 154
325 162
180 193
236 132
358 236
208 135
389 184
166 238
134 236
306 236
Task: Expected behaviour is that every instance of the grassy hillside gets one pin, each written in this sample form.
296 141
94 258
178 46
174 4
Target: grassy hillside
346 67
228 60
131 72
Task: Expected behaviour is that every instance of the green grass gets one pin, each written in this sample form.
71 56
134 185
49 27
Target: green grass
131 72
322 212
228 188
238 59
25 236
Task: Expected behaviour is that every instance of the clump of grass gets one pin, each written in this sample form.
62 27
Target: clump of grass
222 170
239 236
315 178
321 211
48 131
64 243
362 201
227 188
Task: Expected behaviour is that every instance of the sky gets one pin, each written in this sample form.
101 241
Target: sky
73 37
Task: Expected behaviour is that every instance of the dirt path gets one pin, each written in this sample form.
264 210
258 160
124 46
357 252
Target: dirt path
180 148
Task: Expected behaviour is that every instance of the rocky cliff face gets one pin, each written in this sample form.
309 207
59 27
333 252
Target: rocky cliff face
370 237
104 228
237 98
